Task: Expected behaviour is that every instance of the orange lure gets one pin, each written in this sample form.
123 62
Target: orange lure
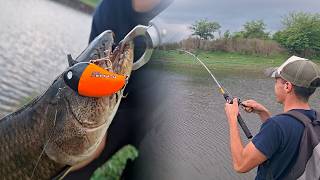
88 79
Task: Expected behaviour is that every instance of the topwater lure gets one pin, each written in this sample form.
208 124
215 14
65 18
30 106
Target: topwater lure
89 79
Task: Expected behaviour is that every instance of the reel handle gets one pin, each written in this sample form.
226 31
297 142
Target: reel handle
240 120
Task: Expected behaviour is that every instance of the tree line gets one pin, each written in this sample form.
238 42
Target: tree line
300 33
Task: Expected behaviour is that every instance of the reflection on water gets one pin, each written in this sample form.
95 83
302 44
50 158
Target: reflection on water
35 36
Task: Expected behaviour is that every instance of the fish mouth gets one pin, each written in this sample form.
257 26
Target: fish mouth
103 107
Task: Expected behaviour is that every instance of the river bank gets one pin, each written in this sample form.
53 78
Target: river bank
217 61
220 61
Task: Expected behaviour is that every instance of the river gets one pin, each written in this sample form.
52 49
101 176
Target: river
35 38
192 141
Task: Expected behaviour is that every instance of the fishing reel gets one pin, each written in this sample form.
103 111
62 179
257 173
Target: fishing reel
229 99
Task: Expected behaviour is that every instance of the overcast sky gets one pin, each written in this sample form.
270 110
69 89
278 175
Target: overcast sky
231 14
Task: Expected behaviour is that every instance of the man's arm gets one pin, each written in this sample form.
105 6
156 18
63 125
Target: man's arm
244 158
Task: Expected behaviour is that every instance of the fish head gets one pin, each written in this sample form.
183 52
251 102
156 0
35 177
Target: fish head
77 123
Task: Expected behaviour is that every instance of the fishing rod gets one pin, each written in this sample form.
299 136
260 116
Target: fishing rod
226 95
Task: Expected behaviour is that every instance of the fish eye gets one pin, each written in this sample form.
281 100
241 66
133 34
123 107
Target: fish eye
69 75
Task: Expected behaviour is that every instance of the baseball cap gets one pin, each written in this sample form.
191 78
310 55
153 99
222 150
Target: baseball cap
299 71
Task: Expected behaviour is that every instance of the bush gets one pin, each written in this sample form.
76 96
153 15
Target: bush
205 29
301 34
112 169
255 29
241 45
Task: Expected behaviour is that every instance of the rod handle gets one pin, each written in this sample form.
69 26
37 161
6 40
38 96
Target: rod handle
244 127
242 124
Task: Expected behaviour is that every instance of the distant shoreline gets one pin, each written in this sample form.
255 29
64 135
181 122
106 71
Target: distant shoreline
78 5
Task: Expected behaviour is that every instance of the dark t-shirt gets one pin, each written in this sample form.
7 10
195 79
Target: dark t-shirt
120 17
279 140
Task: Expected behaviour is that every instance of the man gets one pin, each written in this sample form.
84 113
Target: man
121 16
275 148
128 126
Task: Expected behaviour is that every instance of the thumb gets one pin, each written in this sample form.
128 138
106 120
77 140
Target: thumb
235 101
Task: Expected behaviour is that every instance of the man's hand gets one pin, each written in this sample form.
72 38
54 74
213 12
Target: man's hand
253 106
232 111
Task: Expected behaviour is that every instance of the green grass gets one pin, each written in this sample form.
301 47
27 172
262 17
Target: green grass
92 3
220 60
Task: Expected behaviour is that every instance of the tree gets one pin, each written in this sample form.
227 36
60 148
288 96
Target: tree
255 29
227 34
239 34
205 29
301 33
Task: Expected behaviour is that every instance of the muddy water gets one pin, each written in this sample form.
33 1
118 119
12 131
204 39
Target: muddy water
192 141
35 36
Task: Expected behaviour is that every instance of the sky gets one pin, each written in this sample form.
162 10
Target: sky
230 14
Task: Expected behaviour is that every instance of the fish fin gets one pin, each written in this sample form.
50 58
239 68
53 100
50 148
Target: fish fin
63 173
71 61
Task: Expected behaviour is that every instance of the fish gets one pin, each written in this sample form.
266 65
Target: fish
61 129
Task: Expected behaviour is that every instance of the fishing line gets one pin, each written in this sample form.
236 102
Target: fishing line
45 145
222 89
50 134
224 93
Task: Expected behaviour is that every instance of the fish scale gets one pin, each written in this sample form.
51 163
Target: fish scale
23 140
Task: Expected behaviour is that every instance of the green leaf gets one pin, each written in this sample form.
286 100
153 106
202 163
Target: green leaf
113 168
301 33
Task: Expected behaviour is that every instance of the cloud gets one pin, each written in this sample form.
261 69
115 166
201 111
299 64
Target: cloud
232 14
